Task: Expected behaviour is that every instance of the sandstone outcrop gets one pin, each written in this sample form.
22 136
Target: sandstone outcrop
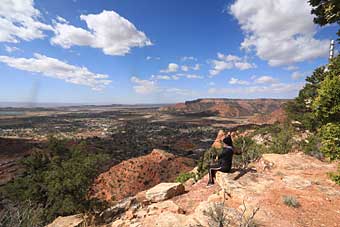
218 143
68 221
164 191
226 107
277 116
138 174
258 190
275 176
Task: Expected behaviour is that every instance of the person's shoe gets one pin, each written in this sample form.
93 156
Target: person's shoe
209 185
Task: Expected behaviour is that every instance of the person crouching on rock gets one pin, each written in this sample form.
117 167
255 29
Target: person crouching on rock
225 159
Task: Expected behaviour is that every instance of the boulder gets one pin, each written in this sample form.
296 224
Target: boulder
218 143
239 185
77 220
291 162
113 212
164 191
189 183
118 223
161 207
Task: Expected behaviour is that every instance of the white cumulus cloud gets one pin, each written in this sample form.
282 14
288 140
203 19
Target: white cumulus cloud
277 90
187 68
229 61
238 81
298 75
280 31
55 68
144 86
151 88
265 80
19 20
160 77
188 58
107 30
152 58
11 49
291 67
193 76
172 68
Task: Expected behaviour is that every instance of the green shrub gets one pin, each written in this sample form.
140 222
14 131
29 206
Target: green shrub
330 140
58 178
326 106
300 109
183 177
268 129
312 146
250 151
336 176
290 201
282 142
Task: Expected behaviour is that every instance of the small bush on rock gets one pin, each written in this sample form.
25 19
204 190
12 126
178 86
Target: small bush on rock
291 201
183 177
250 152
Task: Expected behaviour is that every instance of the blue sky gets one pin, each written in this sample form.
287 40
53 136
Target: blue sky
151 51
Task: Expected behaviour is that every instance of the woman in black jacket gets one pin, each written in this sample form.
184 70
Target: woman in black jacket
225 159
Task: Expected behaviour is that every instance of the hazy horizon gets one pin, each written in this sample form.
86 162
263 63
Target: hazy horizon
59 104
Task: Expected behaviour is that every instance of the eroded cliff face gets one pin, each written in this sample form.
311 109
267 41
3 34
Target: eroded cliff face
226 107
138 174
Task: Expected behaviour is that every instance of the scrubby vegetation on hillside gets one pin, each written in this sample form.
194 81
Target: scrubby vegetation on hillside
317 108
55 183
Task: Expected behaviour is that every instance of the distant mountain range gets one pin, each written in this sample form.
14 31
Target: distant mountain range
226 107
58 105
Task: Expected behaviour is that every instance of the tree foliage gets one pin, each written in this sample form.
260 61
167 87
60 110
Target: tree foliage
282 142
250 151
300 108
58 178
330 140
326 12
327 104
326 108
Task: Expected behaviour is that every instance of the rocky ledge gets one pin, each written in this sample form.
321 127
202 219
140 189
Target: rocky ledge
254 195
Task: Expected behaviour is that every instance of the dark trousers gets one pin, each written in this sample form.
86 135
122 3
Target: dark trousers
226 168
212 174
